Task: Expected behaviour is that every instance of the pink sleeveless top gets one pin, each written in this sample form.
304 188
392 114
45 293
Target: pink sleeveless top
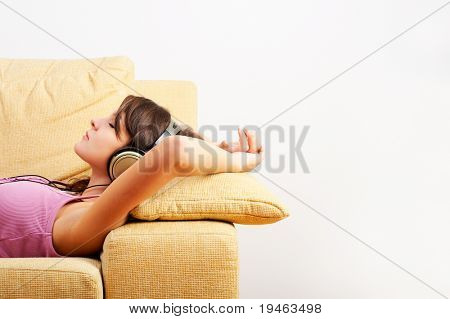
27 214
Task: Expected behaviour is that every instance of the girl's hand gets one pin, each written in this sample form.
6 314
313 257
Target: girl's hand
241 146
202 157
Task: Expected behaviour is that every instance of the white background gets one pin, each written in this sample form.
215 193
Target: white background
378 144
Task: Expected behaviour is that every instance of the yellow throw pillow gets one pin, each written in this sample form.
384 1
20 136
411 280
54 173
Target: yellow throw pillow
46 107
234 197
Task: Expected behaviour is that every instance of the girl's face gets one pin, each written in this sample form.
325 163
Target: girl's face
101 141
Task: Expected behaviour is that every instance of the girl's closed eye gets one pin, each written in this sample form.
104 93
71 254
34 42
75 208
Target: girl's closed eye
111 125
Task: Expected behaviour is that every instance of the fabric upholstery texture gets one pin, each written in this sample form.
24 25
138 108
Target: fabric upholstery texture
233 197
50 278
46 106
171 259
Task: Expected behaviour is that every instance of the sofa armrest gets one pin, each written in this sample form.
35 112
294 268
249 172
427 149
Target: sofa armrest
171 260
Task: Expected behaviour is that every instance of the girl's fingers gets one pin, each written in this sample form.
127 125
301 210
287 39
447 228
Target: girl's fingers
224 145
251 141
242 138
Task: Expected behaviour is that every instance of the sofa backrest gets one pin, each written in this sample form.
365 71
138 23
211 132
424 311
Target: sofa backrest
46 107
179 97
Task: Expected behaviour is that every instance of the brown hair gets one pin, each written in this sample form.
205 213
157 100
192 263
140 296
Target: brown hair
145 121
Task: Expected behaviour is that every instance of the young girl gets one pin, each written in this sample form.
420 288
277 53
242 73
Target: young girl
38 218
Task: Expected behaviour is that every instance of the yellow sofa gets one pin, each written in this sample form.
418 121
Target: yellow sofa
141 259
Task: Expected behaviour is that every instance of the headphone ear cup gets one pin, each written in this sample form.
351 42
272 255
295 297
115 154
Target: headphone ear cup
122 159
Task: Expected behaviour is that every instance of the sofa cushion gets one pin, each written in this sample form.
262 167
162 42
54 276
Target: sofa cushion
50 278
178 96
233 197
46 106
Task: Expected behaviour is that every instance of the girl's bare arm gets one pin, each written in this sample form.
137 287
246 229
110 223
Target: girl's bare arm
174 156
139 182
200 157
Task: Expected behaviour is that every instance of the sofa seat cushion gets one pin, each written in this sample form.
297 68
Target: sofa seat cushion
50 278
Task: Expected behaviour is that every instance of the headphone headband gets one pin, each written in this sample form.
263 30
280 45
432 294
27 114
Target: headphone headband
172 129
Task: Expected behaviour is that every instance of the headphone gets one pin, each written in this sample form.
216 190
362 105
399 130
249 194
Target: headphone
126 156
